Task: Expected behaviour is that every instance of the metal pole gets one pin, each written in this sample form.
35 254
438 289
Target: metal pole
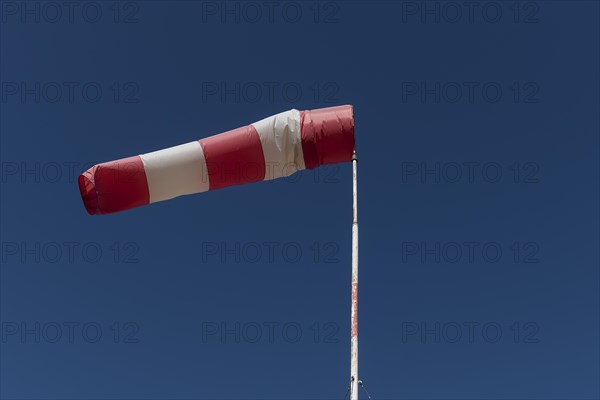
354 308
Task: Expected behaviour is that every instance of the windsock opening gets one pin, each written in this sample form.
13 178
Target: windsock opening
327 135
273 147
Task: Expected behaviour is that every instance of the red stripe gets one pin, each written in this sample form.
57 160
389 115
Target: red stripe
234 157
114 186
327 135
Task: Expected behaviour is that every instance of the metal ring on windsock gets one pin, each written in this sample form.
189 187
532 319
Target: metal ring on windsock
271 148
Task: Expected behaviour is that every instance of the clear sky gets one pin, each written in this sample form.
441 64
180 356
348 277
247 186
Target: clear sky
477 136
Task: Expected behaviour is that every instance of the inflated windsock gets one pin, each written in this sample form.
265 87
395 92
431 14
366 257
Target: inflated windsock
271 148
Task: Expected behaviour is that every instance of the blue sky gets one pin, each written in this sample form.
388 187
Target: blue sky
477 138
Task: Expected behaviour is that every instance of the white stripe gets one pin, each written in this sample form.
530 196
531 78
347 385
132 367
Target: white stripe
176 171
281 144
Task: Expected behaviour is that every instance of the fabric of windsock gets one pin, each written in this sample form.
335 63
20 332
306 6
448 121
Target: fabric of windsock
271 148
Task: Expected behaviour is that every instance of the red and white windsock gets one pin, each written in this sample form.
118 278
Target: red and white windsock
271 148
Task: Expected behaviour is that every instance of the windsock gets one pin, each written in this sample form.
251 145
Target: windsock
271 148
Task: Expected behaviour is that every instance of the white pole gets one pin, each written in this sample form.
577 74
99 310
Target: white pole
354 308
